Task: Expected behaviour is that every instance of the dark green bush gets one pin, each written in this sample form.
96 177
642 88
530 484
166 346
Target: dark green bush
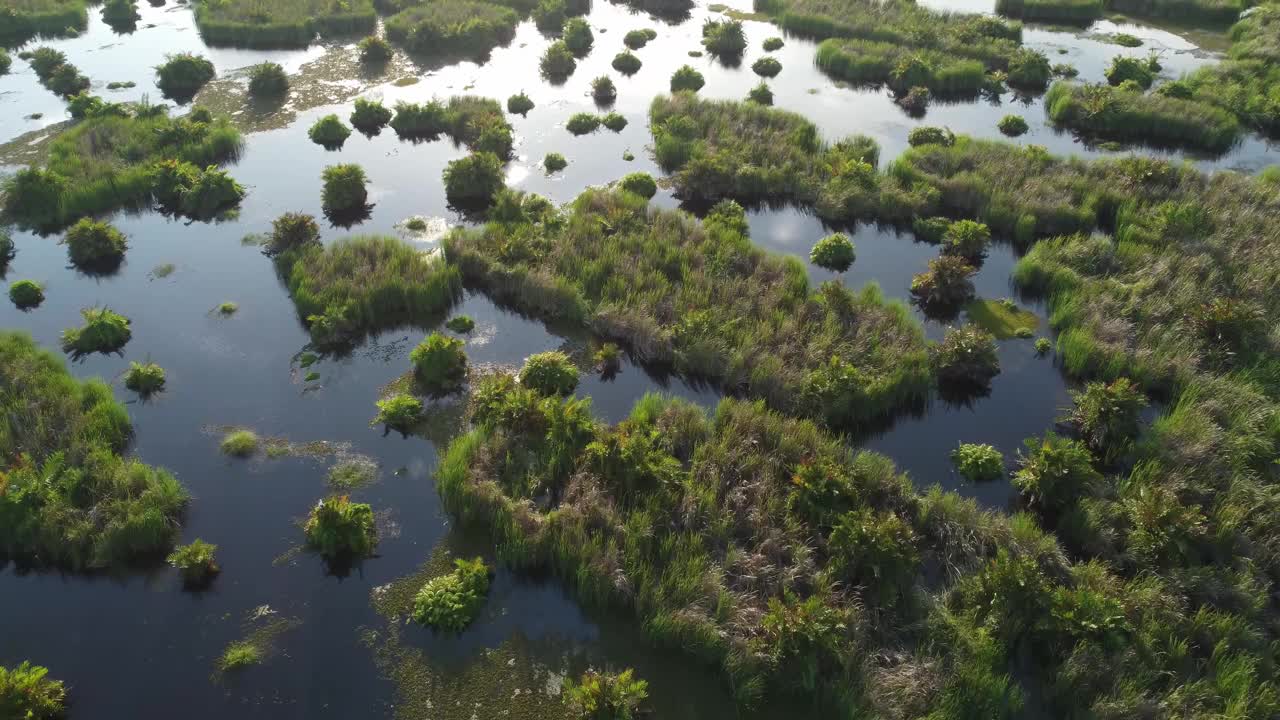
1055 473
614 121
144 379
833 252
686 78
439 364
549 373
576 35
473 181
26 294
626 63
640 183
1013 125
374 49
550 15
460 27
519 104
414 121
724 38
95 245
369 116
329 132
582 123
554 162
558 61
181 76
290 231
461 324
452 601
603 90
212 192
1028 69
772 43
340 529
268 80
121 15
761 94
1127 68
344 188
636 39
766 67
946 285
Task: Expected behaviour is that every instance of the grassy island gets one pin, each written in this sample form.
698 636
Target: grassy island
287 24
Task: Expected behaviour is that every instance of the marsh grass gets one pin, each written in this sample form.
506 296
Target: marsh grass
25 19
268 80
582 123
519 104
103 331
197 562
341 530
1065 12
833 252
466 27
329 132
240 443
687 79
280 23
452 601
626 63
473 181
1114 113
95 245
182 75
26 294
554 162
1012 125
144 378
369 116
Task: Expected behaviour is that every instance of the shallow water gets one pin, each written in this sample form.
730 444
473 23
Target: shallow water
139 647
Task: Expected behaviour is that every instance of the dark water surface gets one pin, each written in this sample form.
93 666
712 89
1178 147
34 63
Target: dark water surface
139 647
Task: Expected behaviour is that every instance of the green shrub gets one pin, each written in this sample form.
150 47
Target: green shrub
374 49
929 135
875 551
122 16
833 252
452 601
1127 68
27 693
1028 70
554 162
626 63
439 364
461 324
26 294
414 121
761 94
605 696
582 123
1055 473
66 80
473 181
930 229
291 230
85 105
916 101
340 529
519 104
966 356
5 62
212 191
724 38
636 39
369 116
329 132
240 443
268 80
1065 70
196 561
558 61
103 332
1013 125
967 239
1126 40
576 35
181 76
686 78
946 285
459 27
549 15
640 183
144 379
1079 12
614 121
400 412
772 43
608 358
1107 416
978 463
344 188
549 373
603 90
766 67
1160 119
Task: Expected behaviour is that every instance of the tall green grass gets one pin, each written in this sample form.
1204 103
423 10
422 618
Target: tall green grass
1183 12
69 498
1072 12
865 62
21 20
1247 84
466 27
280 23
1105 112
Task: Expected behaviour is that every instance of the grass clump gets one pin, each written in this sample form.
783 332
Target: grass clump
461 324
339 529
554 162
833 252
290 231
1002 319
419 121
439 364
582 123
685 78
70 499
626 63
121 16
268 80
1066 12
144 378
636 39
375 50
519 104
55 73
870 62
103 332
1013 125
577 36
614 121
608 358
771 44
240 443
452 601
400 412
464 27
369 116
25 20
1043 346
966 357
26 294
329 132
227 308
473 181
766 67
1125 40
344 189
361 285
27 692
967 239
181 76
93 244
603 91
291 24
7 252
724 38
558 61
761 94
196 561
1106 415
549 15
549 373
606 695
978 463
1127 68
639 183
238 655
1111 113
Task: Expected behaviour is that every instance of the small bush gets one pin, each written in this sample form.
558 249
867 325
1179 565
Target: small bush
966 239
945 285
1055 473
608 358
1028 70
876 551
103 331
724 38
439 364
929 135
766 67
1107 416
458 27
640 183
26 294
1012 125
966 356
239 655
182 75
978 462
772 43
93 244
833 252
291 230
451 602
614 121
227 308
414 121
374 49
519 104
473 180
268 80
7 251
344 188
27 693
461 324
212 191
1126 40
329 132
401 413
66 80
1127 68
686 78
240 443
582 123
369 116
144 379
1065 70
577 36
603 90
558 61
338 528
761 94
554 162
626 63
636 39
605 696
549 373
196 561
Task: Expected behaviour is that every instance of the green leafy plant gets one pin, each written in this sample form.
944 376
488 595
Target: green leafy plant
558 61
1043 346
614 121
966 239
103 331
344 188
554 162
771 44
369 116
761 94
724 38
876 551
519 104
1012 125
1107 415
238 655
340 529
144 378
577 37
930 135
1054 472
452 601
978 463
636 39
439 364
461 324
966 356
329 132
196 561
549 373
95 245
603 90
374 49
833 252
608 358
582 123
290 231
946 285
400 412
766 67
28 693
605 696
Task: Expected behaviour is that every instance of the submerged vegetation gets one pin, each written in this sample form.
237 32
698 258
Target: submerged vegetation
67 496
